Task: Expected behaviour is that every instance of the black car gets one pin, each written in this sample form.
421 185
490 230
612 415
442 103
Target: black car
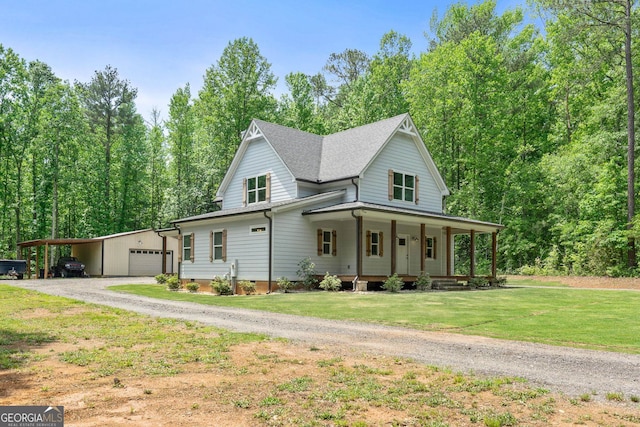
68 267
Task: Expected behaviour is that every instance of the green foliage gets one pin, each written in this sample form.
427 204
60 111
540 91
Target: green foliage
173 283
284 284
192 286
478 282
330 283
161 279
247 286
393 284
221 285
307 272
528 128
423 282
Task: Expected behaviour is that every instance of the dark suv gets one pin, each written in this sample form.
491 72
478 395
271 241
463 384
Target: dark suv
68 266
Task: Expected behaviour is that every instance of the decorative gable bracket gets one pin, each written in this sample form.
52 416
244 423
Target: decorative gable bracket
407 127
253 132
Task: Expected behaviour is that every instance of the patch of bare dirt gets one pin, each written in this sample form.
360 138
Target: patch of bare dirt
590 282
252 389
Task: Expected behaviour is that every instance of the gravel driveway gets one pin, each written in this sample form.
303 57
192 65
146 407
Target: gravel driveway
561 369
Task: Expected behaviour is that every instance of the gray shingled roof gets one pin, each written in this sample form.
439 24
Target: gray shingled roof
340 155
299 150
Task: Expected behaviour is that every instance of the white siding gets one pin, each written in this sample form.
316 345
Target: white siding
258 160
249 249
295 238
377 265
437 266
401 155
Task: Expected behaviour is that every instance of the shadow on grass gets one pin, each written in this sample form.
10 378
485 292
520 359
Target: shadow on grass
15 352
15 346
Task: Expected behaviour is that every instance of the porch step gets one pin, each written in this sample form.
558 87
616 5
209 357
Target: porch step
448 285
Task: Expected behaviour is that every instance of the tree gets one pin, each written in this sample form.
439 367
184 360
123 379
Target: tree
299 110
593 36
106 98
236 90
182 172
157 168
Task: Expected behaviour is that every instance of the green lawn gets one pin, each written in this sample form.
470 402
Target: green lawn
605 320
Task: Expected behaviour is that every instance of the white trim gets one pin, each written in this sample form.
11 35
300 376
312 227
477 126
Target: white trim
393 186
330 242
213 245
257 189
378 232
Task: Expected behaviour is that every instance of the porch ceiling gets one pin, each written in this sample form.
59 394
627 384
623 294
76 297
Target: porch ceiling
371 211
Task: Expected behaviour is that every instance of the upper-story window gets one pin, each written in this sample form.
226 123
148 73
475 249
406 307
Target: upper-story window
256 189
403 186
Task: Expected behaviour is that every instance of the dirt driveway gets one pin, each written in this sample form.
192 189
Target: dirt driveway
566 370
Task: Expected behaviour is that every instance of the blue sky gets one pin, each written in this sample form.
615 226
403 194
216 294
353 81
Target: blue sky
160 45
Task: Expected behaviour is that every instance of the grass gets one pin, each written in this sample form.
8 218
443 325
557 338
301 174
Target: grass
596 319
106 340
261 385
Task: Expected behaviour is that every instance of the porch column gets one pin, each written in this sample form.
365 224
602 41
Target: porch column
359 246
472 255
494 254
423 249
29 262
46 260
449 251
394 237
37 263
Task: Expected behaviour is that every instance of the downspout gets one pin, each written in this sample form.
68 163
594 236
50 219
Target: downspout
353 181
270 248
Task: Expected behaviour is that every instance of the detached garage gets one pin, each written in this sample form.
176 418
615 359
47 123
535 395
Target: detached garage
134 253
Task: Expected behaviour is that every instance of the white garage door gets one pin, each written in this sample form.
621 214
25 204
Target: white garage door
148 262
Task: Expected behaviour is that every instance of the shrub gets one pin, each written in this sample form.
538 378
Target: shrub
478 282
193 286
161 279
393 283
247 286
221 286
423 282
285 284
307 272
331 283
499 281
173 283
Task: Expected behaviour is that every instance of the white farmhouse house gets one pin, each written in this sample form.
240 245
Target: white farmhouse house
363 203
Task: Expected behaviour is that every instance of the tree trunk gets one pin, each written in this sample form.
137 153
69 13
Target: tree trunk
631 136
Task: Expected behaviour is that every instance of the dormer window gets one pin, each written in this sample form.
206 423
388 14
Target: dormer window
257 189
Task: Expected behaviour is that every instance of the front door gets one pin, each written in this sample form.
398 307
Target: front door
402 254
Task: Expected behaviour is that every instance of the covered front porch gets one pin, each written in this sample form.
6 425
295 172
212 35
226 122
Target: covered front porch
408 242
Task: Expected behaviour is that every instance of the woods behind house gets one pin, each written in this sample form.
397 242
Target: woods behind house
531 126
